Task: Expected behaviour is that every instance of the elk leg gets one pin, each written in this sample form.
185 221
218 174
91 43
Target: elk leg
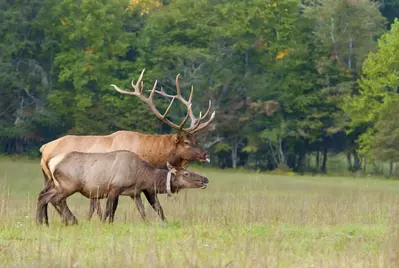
99 210
95 205
110 208
112 204
91 209
45 196
59 201
44 207
140 206
153 200
64 208
65 213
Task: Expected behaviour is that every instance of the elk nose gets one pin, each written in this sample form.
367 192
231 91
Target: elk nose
206 157
206 180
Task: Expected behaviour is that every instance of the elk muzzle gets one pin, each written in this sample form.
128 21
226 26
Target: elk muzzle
205 182
205 158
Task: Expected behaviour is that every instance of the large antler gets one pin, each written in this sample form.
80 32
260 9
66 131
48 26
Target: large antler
195 125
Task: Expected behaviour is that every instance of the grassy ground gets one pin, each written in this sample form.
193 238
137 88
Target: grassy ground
240 220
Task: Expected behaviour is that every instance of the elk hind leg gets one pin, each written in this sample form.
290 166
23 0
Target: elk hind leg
64 212
45 196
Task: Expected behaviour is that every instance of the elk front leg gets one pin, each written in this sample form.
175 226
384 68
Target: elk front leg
92 207
95 205
153 200
140 206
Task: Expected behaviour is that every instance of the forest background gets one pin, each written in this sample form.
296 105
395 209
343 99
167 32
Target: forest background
331 65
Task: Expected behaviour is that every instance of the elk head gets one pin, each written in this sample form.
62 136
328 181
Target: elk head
187 148
185 179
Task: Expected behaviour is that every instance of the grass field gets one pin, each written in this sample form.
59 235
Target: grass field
240 220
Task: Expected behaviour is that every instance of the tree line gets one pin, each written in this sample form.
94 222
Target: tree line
291 81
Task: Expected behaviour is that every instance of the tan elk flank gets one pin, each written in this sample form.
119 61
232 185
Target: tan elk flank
109 175
179 149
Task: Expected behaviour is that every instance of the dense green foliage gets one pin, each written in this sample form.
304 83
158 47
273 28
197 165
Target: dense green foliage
319 60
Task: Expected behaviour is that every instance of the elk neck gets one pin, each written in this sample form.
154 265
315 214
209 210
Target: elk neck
159 178
157 149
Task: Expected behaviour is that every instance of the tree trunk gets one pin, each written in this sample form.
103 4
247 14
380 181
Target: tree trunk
301 157
301 163
317 161
234 152
324 163
349 161
246 64
234 158
282 157
276 162
390 169
356 161
350 54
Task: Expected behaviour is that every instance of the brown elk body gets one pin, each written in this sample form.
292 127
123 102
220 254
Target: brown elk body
179 149
109 175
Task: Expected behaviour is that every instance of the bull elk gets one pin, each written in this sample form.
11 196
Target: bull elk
178 149
109 175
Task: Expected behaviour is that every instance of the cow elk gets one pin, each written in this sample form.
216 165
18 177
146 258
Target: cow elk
109 175
178 149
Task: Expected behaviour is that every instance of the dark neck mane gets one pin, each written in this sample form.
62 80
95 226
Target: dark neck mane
160 179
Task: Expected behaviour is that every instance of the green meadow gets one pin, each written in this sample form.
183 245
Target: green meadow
242 219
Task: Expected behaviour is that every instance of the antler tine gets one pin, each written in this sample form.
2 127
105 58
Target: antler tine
204 125
178 85
167 110
163 93
207 111
138 92
124 91
191 94
141 87
195 125
185 118
152 91
196 122
139 83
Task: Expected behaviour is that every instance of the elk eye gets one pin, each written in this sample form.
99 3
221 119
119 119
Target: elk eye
186 174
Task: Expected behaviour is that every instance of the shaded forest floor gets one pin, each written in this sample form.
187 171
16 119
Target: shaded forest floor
241 220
